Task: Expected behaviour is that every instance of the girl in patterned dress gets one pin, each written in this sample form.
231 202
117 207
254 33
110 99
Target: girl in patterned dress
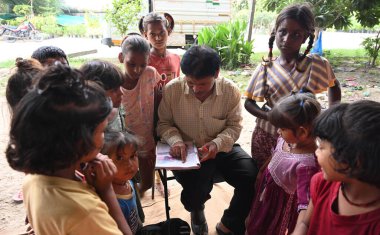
283 189
277 77
138 101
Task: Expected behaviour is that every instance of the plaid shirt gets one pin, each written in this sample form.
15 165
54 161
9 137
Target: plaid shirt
182 117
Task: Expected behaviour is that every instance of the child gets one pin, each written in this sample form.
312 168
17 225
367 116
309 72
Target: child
21 80
283 189
291 71
48 55
110 77
19 83
138 101
345 196
156 29
121 147
57 127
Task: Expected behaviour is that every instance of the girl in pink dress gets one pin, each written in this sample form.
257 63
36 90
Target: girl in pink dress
283 189
138 102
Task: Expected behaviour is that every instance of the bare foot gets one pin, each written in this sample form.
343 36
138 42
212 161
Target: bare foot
160 188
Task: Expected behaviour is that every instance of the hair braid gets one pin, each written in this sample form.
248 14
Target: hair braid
309 46
270 44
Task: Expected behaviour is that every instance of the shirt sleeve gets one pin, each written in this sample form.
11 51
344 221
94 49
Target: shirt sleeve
165 128
226 139
256 87
304 175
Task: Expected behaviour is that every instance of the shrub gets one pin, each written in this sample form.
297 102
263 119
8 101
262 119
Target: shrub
372 47
228 39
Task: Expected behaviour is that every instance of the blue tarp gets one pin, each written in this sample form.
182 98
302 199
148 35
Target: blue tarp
67 20
317 49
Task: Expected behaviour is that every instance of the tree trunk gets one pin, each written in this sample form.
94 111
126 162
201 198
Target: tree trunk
252 16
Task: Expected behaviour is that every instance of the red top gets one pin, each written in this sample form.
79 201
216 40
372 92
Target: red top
325 221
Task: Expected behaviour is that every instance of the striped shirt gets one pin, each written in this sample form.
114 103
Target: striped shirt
182 117
270 83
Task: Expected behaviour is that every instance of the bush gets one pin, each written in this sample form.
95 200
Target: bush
75 30
228 40
47 24
372 47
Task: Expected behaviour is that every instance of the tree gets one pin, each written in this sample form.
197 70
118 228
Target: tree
47 7
336 13
124 13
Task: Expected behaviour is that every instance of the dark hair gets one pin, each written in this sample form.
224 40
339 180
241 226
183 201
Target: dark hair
106 74
166 20
114 141
45 52
304 16
354 132
296 110
200 61
53 126
135 43
21 80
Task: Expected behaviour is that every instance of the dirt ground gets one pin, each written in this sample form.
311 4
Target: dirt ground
357 83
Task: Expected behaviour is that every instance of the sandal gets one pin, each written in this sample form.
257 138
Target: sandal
18 197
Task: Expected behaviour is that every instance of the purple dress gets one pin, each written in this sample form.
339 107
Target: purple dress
282 192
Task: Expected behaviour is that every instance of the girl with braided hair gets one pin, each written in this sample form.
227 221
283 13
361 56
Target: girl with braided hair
277 77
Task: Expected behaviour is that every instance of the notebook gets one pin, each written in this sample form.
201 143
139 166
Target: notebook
165 161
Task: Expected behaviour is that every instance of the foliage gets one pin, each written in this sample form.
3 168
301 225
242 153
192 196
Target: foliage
23 10
228 40
75 30
337 13
93 24
372 47
46 7
124 14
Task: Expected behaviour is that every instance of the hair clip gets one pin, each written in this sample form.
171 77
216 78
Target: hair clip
302 103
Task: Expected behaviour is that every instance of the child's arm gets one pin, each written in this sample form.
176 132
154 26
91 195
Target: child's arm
252 107
303 220
100 176
334 93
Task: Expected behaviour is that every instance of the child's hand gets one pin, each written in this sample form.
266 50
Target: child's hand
208 151
99 173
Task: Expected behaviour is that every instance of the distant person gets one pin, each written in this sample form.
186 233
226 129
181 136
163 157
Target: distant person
156 29
138 101
58 128
48 55
122 147
291 71
345 196
282 192
206 109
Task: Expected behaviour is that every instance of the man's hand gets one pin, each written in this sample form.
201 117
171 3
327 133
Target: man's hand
208 151
99 173
179 150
